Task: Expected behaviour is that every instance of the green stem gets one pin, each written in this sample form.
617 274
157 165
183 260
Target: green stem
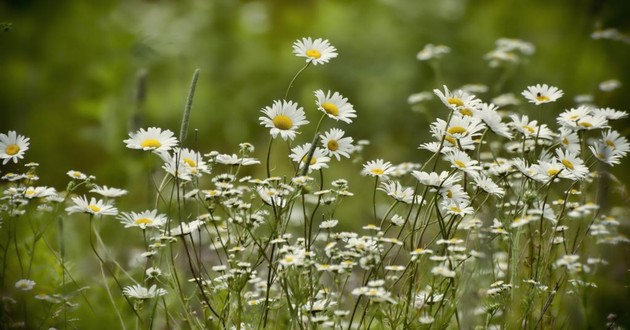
183 132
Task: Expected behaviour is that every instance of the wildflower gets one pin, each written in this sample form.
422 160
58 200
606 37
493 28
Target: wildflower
397 220
460 131
459 101
377 168
25 285
399 193
505 100
318 51
328 224
419 97
94 207
154 139
611 148
461 161
109 192
569 139
443 271
144 219
609 85
431 51
486 184
284 118
184 228
36 192
335 106
378 294
76 175
530 129
12 146
337 145
540 94
609 113
489 115
175 167
433 179
455 207
575 168
191 160
139 292
235 160
426 319
153 272
318 159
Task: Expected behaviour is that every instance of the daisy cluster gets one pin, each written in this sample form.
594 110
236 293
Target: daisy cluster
495 219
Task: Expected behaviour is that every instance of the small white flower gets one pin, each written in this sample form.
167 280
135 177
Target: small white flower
109 192
336 145
540 94
12 146
153 139
318 159
335 106
609 85
145 219
431 51
377 168
318 51
94 207
443 271
76 175
139 292
25 284
284 118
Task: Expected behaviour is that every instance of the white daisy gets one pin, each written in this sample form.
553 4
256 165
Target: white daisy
611 148
431 51
461 161
36 192
490 116
530 129
335 106
454 194
377 168
109 192
610 113
569 139
176 168
443 271
433 179
318 51
609 85
94 207
76 175
458 100
191 160
139 292
505 100
399 193
460 132
284 118
25 284
456 208
318 160
336 145
486 184
12 146
540 94
235 160
154 139
546 170
144 219
574 165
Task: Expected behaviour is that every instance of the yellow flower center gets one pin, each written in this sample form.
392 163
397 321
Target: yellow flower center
333 145
611 144
330 108
529 129
12 149
552 172
455 101
143 221
449 193
460 164
313 53
456 130
77 174
282 122
542 98
466 112
568 164
151 143
30 192
455 209
565 141
288 259
190 162
377 171
585 124
451 140
94 208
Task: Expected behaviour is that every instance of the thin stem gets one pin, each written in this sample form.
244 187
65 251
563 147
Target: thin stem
286 94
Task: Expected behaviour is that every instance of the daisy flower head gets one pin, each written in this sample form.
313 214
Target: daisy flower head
377 168
284 118
318 51
318 160
490 116
434 179
540 94
139 292
93 207
192 161
335 106
12 146
336 145
431 51
399 193
458 100
154 139
461 161
611 148
109 192
486 184
144 219
25 284
573 164
460 131
610 113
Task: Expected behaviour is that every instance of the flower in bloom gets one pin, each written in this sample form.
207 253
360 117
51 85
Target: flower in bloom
94 207
191 160
377 168
442 271
284 118
431 51
530 129
611 148
486 184
12 146
459 101
235 160
398 192
569 139
143 219
335 106
109 192
490 116
318 160
609 85
139 292
35 192
154 139
76 175
461 161
336 145
574 165
433 179
318 51
25 285
459 132
609 113
540 94
455 207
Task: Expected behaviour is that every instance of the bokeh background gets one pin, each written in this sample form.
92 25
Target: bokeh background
76 76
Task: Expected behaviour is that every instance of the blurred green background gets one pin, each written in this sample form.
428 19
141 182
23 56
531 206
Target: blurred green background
70 71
